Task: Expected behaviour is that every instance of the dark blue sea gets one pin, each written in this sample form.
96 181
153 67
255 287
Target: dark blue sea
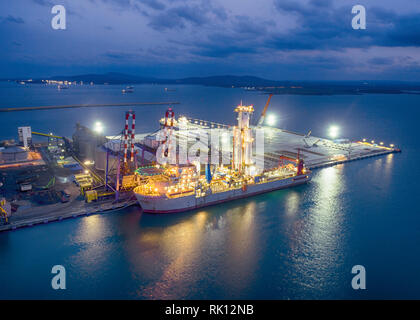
299 243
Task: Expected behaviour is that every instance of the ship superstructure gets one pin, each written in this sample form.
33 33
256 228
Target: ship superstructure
173 187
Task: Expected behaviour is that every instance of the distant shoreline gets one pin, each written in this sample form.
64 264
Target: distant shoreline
247 83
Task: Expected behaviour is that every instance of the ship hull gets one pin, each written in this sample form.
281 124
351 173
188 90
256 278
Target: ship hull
162 204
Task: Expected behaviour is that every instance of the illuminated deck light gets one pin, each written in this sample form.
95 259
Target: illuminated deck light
271 120
333 131
98 128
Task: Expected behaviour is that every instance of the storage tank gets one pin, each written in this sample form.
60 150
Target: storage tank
13 154
85 142
100 160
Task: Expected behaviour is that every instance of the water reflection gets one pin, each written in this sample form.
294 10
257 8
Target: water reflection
382 172
179 247
169 258
317 238
292 203
388 168
242 248
93 250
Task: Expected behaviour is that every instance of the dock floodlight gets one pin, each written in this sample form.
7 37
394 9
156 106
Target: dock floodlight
271 120
333 131
98 127
373 141
392 145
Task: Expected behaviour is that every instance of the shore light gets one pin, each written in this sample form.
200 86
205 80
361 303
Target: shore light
333 131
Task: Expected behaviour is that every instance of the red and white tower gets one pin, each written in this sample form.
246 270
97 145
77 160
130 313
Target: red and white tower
129 135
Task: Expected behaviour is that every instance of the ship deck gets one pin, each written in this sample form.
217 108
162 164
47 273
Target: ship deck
315 151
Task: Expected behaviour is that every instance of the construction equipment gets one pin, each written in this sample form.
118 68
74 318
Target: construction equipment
94 195
298 161
262 117
91 195
128 182
5 210
306 141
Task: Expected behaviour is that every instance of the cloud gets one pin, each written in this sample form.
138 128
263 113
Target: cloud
405 31
326 27
13 19
312 36
381 61
154 4
196 13
45 3
246 25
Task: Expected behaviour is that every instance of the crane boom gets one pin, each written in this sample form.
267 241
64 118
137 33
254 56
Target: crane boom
46 135
262 117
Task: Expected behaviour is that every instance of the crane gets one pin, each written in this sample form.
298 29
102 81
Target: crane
46 135
262 117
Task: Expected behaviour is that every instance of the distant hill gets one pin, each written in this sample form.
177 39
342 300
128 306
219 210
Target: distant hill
111 78
220 81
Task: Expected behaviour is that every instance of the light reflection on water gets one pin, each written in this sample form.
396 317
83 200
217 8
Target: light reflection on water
316 241
174 255
242 247
292 203
91 239
179 246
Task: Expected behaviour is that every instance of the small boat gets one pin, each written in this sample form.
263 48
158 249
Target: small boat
128 89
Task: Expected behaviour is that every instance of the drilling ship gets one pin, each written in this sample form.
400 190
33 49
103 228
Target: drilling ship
173 188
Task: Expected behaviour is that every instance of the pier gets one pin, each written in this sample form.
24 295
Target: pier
315 151
53 213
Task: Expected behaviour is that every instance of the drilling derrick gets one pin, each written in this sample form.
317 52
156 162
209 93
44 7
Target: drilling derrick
242 140
167 129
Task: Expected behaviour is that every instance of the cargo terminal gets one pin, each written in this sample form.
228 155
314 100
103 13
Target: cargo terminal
61 177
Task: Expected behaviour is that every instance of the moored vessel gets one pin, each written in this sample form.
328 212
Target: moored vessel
170 188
